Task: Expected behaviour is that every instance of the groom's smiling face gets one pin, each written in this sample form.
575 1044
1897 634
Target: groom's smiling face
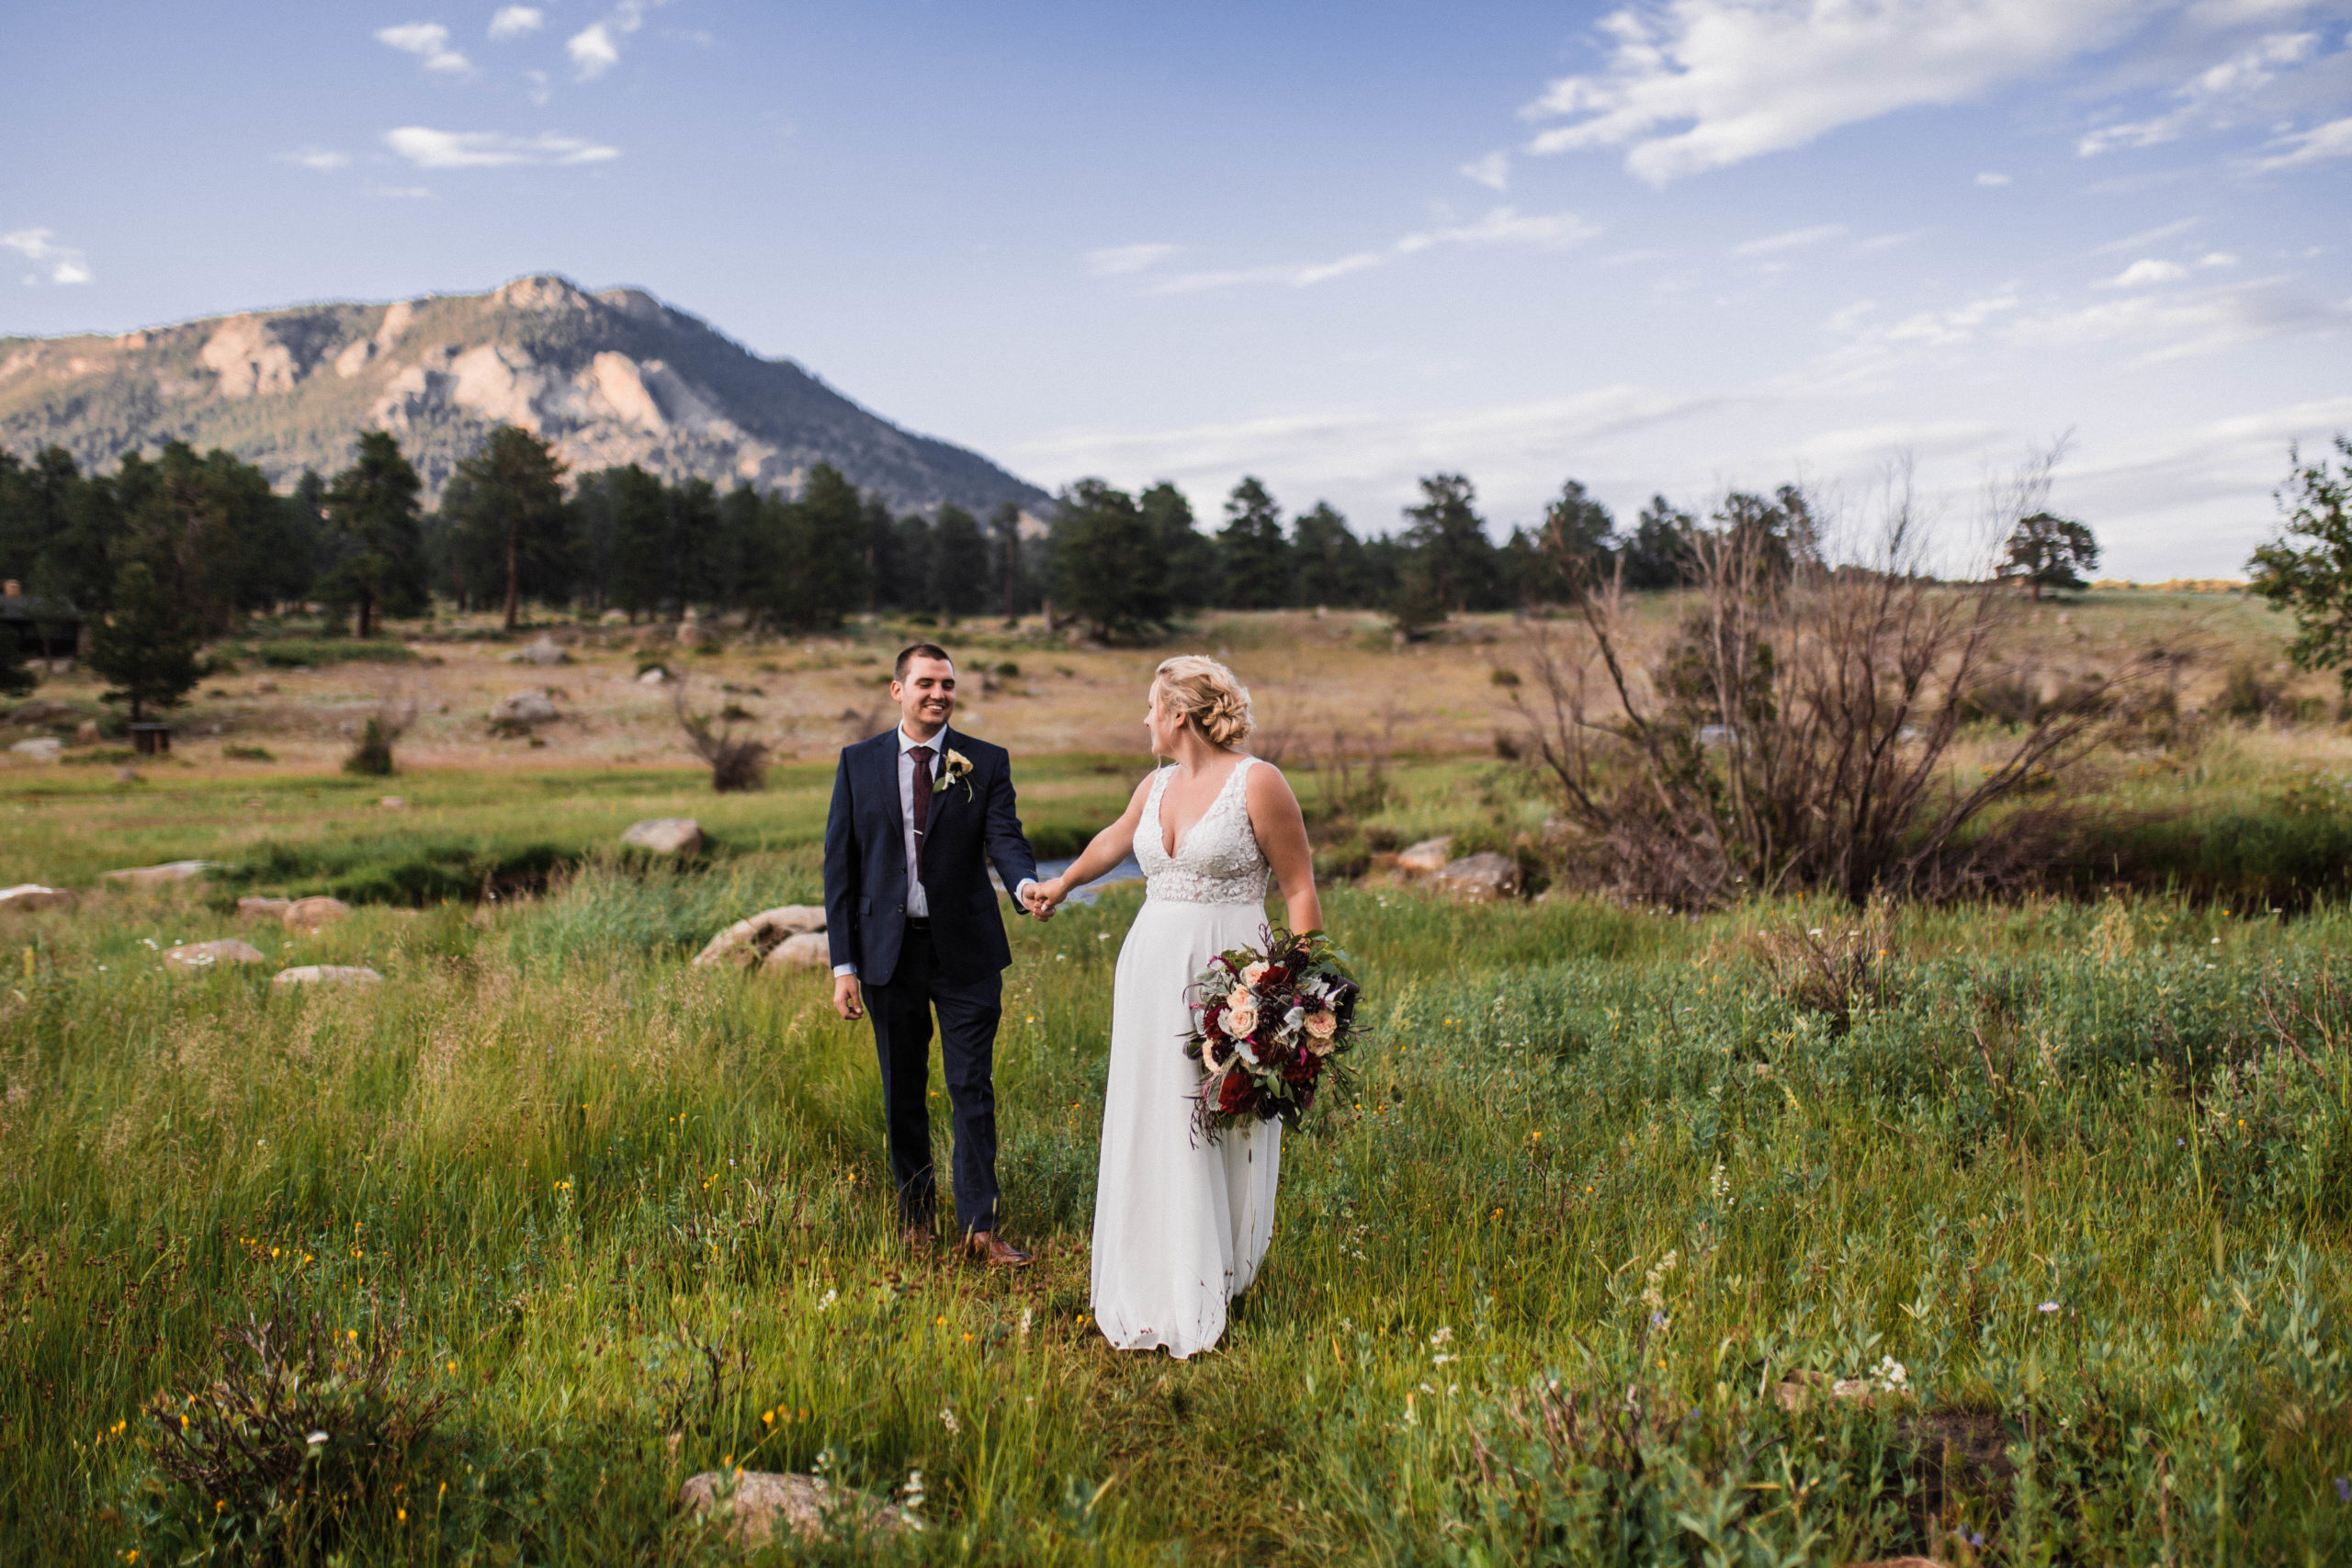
925 695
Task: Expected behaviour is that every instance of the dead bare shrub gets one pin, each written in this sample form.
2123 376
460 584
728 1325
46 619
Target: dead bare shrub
1837 968
737 761
1796 735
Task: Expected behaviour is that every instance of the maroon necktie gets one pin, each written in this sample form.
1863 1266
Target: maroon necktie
922 754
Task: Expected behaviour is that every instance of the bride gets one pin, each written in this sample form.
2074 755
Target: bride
1181 1223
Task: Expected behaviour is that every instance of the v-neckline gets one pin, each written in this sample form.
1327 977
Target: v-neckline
1168 834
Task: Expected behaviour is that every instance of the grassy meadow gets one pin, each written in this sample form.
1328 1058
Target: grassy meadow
2004 1234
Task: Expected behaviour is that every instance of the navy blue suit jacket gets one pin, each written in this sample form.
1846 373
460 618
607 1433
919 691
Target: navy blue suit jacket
973 822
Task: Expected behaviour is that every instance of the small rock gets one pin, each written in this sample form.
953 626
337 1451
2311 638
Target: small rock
748 940
40 749
665 835
394 802
86 732
264 908
653 677
545 651
158 875
41 710
757 1501
265 688
195 957
812 950
28 896
126 774
1427 857
1480 876
327 975
521 707
306 915
614 618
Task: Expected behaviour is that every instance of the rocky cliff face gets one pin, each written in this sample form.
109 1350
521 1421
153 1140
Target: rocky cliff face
611 378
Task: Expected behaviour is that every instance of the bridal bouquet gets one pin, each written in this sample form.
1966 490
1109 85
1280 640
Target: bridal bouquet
1269 1026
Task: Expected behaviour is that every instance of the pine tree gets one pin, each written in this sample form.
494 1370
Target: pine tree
16 677
372 514
823 576
1006 575
1658 555
505 510
959 562
1255 564
1453 559
1189 556
146 643
1327 558
638 555
1110 563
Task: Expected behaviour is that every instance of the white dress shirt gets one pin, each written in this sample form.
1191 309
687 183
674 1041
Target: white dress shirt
918 900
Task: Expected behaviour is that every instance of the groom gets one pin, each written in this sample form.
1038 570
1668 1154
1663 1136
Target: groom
918 813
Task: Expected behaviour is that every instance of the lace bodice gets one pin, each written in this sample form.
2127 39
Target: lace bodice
1217 861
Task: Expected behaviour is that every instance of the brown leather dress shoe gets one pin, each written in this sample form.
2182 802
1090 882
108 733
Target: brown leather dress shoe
987 1247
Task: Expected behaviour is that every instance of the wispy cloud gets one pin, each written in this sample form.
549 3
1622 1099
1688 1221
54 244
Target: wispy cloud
2145 271
2215 96
2333 140
319 158
1502 226
1793 239
1112 261
513 21
60 263
429 149
2147 237
1992 178
1493 171
1697 84
540 90
429 41
2174 324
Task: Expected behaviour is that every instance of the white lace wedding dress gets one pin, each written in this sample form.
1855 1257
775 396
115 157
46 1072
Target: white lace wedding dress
1180 1222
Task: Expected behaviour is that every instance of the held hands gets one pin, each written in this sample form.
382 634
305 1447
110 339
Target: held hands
1042 898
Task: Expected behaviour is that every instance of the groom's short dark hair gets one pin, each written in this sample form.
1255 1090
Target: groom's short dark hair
919 650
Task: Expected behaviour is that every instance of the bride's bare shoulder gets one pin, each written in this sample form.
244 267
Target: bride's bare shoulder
1266 785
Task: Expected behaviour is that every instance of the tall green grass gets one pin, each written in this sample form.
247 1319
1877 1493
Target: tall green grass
1597 1192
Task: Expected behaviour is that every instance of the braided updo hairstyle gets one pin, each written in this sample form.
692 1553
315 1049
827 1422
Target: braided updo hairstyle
1204 694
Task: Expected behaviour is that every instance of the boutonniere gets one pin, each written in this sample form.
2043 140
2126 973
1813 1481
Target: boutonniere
954 768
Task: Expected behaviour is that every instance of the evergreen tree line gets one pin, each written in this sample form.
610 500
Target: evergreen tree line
515 530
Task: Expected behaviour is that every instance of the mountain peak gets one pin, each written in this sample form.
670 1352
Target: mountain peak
610 377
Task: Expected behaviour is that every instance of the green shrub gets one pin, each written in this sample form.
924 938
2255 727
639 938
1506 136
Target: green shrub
372 757
314 653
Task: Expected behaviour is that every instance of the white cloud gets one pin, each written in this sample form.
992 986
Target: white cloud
513 21
429 41
2215 96
1503 225
1493 171
1888 242
595 49
319 158
1699 85
65 265
429 149
1113 260
592 52
2175 324
1991 178
2147 237
2333 140
541 91
2141 272
1795 239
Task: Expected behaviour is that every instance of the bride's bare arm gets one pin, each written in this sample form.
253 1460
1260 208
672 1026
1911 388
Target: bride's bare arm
1106 850
1281 827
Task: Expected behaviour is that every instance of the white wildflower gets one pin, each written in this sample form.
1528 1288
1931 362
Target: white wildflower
947 1419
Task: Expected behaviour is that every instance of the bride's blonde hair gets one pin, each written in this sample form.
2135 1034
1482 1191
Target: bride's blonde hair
1203 693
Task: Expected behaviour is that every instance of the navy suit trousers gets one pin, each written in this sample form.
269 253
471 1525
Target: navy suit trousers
968 1010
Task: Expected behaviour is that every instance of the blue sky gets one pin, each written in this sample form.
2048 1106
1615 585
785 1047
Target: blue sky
1658 247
